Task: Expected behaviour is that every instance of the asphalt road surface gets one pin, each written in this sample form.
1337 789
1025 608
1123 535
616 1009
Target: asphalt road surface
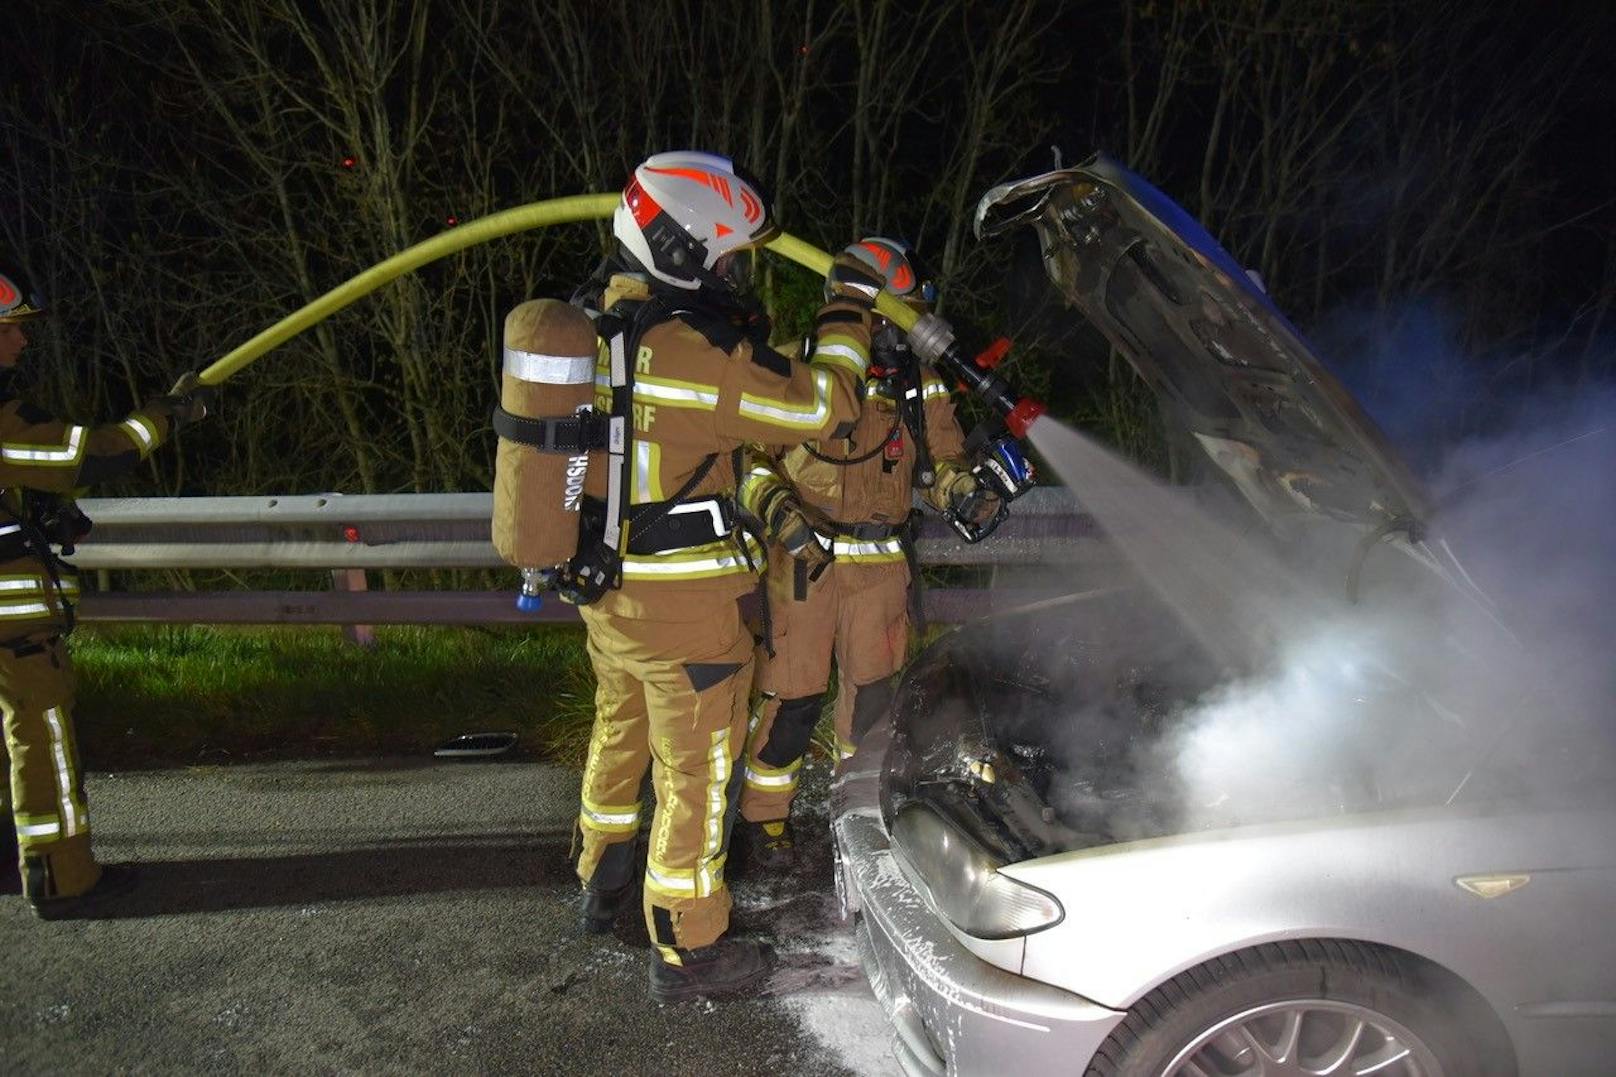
387 917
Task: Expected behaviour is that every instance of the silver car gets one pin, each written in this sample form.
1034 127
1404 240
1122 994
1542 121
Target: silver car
1034 889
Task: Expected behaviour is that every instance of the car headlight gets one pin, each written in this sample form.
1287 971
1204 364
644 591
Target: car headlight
964 881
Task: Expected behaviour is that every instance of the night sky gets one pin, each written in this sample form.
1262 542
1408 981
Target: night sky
1427 187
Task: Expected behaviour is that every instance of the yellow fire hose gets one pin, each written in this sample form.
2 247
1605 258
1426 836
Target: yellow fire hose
583 207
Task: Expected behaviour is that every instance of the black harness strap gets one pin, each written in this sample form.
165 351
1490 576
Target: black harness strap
570 434
753 528
14 545
849 461
649 524
865 532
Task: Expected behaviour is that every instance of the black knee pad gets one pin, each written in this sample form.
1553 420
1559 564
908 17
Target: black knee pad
616 867
871 705
793 727
732 800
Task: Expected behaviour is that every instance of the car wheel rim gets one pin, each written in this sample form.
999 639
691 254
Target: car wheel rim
1305 1038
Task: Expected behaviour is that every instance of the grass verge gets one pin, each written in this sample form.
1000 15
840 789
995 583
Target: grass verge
155 696
175 696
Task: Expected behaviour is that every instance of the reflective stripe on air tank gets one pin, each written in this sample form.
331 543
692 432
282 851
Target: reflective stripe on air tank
549 369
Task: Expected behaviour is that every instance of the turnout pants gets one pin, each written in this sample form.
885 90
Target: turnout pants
47 787
673 677
856 613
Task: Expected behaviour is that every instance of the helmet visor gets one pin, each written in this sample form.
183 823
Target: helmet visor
738 269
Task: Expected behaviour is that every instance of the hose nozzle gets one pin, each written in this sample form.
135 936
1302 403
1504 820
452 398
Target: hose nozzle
932 340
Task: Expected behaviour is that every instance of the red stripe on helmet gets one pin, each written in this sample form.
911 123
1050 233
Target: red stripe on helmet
8 293
642 206
696 175
750 206
882 255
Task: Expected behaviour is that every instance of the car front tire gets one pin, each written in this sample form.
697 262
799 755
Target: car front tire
1315 1007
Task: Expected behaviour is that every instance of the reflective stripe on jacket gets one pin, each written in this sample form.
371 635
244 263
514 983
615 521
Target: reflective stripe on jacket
699 393
46 454
877 490
39 452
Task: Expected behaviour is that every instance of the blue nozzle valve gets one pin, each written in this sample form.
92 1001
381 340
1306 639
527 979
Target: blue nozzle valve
531 598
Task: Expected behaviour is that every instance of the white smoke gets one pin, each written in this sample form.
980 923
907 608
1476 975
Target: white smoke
1407 697
1409 694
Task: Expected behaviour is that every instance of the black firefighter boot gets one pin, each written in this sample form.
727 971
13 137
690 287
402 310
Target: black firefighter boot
766 848
10 876
727 967
116 881
608 889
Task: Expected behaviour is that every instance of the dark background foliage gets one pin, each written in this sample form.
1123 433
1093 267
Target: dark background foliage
1426 187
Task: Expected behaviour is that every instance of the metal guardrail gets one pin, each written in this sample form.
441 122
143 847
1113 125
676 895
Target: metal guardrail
346 534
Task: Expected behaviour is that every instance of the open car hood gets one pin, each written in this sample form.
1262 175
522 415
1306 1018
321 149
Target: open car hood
1227 366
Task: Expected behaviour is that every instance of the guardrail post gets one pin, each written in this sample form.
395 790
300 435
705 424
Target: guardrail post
353 579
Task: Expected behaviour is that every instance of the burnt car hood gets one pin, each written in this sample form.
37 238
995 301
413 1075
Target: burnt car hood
1228 368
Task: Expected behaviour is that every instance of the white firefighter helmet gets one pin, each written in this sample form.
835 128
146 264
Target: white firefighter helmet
17 300
681 212
900 267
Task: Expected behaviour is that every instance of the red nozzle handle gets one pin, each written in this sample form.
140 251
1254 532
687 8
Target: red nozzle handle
992 355
1023 415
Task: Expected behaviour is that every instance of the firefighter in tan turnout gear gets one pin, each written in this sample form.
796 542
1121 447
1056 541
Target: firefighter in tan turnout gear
837 511
43 460
685 379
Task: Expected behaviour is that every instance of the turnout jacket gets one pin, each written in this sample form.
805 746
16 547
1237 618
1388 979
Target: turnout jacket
874 491
703 388
42 456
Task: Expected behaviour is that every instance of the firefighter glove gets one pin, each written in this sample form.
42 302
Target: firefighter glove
188 401
850 280
787 525
969 499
